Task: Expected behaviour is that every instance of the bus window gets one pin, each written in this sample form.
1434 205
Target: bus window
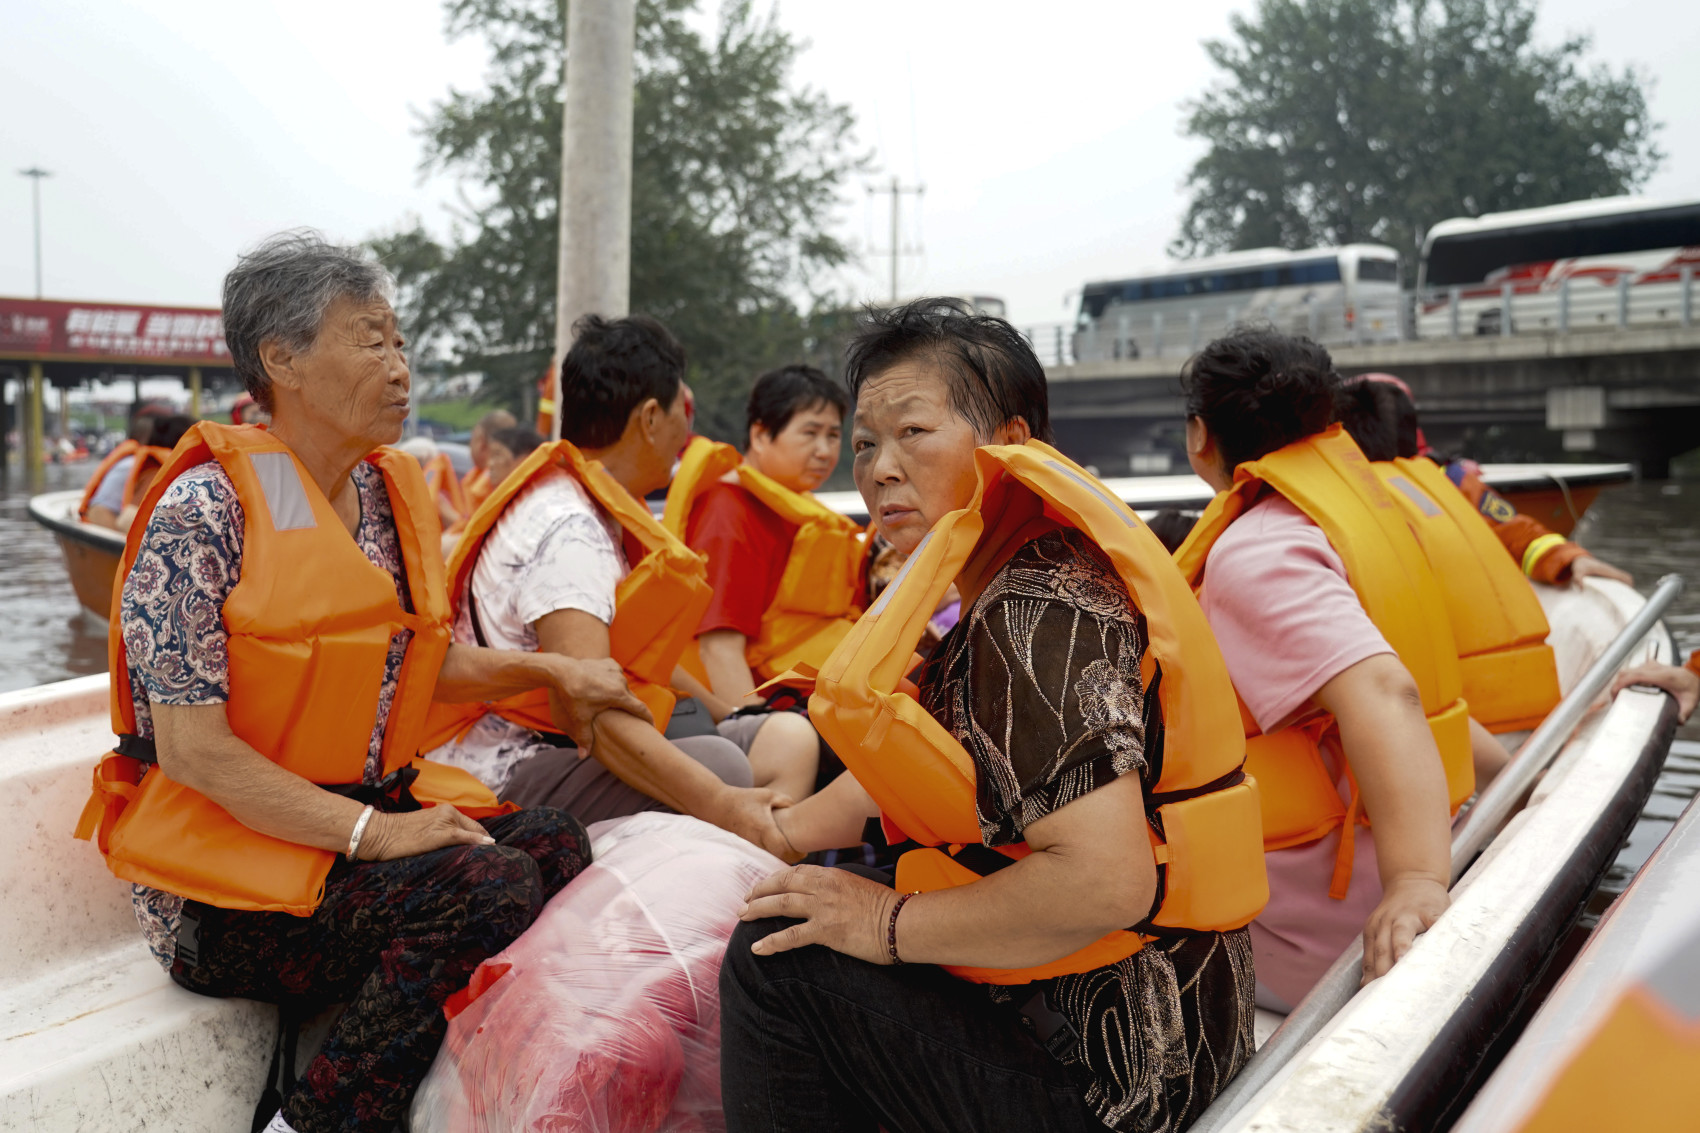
1378 271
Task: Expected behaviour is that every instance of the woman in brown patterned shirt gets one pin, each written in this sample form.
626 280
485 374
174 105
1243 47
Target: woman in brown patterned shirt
1040 682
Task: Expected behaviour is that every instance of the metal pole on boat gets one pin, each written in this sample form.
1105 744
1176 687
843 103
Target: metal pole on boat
594 274
1487 815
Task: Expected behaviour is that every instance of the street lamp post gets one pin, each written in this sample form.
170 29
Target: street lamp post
35 174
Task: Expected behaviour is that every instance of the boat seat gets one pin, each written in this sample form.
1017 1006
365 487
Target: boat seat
94 1036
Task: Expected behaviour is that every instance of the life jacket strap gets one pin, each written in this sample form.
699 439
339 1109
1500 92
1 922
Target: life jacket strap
137 748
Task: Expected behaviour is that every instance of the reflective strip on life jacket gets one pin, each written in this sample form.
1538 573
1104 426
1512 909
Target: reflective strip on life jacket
656 607
1328 479
310 622
1203 813
1509 674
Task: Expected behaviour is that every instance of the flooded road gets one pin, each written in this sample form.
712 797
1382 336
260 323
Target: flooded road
1648 529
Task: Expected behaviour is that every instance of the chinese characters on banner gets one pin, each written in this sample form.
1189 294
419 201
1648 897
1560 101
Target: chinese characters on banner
49 330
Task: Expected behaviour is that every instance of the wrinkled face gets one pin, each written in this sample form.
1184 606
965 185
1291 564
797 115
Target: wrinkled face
354 381
805 452
913 453
499 461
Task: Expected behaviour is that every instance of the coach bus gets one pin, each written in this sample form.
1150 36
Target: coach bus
1345 294
1601 264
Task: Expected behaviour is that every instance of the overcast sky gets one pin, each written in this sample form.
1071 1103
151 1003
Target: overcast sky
1047 135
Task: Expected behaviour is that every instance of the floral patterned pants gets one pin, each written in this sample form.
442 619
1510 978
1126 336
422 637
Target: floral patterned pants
393 940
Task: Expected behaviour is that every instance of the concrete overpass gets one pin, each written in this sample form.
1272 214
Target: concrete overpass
1630 394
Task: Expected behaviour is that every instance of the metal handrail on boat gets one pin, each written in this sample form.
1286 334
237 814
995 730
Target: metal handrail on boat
1492 808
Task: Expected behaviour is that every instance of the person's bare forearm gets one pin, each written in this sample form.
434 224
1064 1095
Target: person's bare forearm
1400 778
722 653
643 759
718 709
472 672
829 819
201 753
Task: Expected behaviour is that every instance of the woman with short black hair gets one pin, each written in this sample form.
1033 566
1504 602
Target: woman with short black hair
1015 996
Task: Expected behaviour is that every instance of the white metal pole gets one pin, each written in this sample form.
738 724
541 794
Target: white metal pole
1687 294
595 266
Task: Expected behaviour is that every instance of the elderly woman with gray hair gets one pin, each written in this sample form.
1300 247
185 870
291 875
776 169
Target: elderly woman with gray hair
282 631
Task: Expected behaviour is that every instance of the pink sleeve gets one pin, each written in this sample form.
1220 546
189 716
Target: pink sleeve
1287 620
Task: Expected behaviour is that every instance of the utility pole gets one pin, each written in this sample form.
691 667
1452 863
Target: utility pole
897 190
594 275
35 174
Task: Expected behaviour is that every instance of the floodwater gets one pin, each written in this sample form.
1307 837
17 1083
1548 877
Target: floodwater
1649 529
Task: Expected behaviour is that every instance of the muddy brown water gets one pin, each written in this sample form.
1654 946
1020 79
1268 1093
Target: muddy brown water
1650 529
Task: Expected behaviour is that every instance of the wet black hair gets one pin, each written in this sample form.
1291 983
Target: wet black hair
781 394
614 366
1172 527
1258 390
167 431
994 375
518 440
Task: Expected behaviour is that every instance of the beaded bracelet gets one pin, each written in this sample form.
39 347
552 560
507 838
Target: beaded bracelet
891 929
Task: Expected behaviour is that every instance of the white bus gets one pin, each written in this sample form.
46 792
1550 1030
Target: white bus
1601 264
1346 294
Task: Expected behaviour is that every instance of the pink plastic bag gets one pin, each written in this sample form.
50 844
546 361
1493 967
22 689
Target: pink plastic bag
605 1016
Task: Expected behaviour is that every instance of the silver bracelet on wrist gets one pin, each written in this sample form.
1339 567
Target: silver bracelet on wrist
359 831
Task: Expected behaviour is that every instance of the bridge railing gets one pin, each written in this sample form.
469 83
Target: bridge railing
1531 307
1179 333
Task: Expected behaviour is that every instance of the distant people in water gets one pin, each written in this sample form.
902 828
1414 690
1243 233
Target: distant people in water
119 484
1341 657
478 481
247 411
504 450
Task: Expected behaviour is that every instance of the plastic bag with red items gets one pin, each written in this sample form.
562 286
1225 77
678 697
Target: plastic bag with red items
605 1016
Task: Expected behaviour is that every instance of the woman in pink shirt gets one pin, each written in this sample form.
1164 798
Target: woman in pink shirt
1299 644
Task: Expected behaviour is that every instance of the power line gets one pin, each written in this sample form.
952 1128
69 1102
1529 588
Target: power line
897 191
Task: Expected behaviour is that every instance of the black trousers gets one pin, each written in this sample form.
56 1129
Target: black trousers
816 1041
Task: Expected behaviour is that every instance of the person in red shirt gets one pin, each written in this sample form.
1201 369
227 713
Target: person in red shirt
796 422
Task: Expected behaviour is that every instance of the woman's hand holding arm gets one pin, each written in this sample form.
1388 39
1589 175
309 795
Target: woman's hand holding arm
628 745
1403 787
1091 872
581 688
198 750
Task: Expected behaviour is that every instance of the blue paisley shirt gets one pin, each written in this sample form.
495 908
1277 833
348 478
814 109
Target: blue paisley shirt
172 618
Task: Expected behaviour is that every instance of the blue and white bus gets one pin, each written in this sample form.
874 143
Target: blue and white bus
1345 294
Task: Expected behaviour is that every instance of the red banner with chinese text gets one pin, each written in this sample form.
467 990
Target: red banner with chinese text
50 330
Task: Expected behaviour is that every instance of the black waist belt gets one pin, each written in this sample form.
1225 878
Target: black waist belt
137 748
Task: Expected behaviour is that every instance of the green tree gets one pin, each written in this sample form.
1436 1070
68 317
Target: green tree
1370 120
735 177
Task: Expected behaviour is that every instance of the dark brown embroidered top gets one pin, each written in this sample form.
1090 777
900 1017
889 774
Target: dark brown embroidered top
1040 682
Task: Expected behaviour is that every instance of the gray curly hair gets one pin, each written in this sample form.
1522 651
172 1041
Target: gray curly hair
281 290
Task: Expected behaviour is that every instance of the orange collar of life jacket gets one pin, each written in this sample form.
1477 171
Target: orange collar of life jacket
1204 825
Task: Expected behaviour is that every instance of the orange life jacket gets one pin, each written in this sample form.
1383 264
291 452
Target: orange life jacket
1327 478
440 480
149 458
1204 813
1510 676
656 608
476 486
310 622
819 594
